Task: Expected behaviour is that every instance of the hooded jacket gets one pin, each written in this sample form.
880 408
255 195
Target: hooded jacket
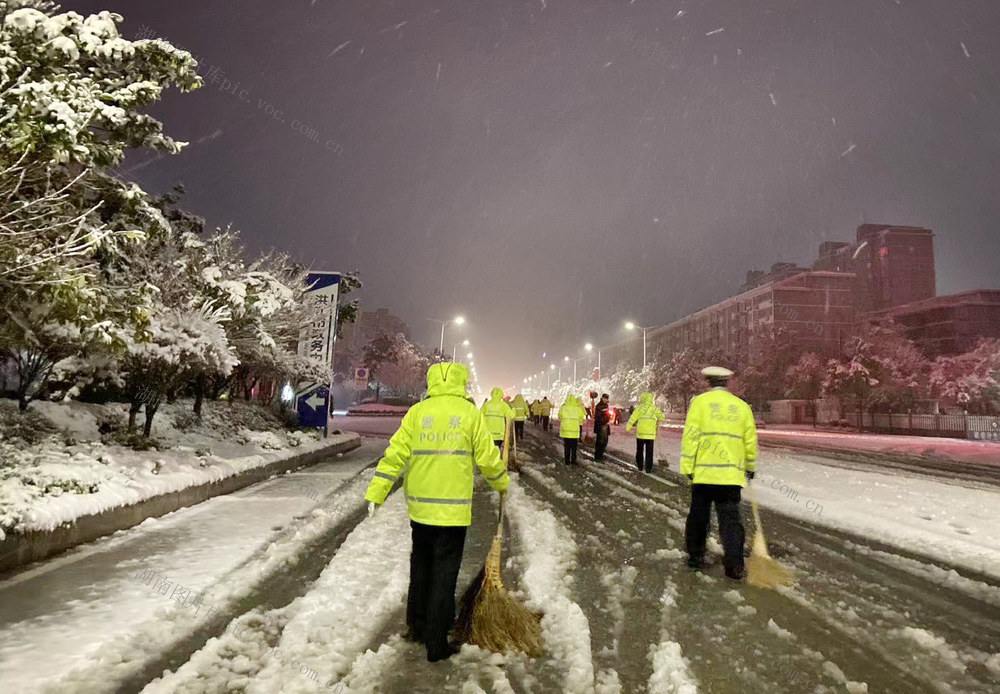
646 418
520 408
545 407
437 445
571 416
497 412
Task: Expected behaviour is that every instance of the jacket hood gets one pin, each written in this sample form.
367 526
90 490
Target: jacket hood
447 378
496 394
646 399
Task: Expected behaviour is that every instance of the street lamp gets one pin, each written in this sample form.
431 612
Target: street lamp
567 359
454 348
457 320
590 348
632 326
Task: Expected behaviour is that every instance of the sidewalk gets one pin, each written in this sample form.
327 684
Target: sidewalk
61 613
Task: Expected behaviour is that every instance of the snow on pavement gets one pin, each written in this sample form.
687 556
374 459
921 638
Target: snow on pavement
549 553
50 483
954 523
352 601
105 608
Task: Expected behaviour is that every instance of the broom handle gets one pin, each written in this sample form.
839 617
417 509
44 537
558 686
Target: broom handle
758 526
499 534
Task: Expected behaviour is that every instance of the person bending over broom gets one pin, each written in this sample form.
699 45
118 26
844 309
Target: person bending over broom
437 444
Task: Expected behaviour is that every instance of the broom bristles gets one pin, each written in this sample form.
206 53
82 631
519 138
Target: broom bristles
763 570
491 618
500 623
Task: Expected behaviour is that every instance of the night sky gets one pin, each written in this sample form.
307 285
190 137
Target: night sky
551 168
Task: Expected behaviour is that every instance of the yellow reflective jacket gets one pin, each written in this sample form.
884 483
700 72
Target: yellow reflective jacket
535 408
439 441
545 407
646 418
720 439
520 408
497 412
571 416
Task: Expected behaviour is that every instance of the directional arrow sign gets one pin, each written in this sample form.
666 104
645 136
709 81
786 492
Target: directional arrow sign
312 405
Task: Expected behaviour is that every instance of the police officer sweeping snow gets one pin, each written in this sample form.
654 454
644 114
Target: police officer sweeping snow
437 443
718 455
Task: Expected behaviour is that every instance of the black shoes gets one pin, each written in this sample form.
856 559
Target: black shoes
437 656
735 574
696 563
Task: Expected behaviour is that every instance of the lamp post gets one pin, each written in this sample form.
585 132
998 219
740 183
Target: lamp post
454 349
590 348
632 326
567 359
458 320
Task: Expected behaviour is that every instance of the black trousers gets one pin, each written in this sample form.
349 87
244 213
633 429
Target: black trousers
601 443
727 508
545 422
499 444
569 450
519 429
644 454
430 603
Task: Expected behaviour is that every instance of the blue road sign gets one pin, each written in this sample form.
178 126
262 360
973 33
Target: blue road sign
312 405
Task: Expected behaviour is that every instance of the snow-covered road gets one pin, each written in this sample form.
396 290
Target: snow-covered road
94 601
598 549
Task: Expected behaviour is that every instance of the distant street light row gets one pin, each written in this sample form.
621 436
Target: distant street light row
458 320
590 348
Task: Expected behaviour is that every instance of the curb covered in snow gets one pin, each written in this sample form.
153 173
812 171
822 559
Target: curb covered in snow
20 549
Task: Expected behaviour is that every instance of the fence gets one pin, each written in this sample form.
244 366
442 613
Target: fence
958 426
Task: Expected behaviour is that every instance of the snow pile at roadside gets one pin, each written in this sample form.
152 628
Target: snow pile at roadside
549 555
353 600
72 474
122 657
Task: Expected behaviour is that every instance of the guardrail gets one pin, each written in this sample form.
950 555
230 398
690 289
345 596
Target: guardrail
957 426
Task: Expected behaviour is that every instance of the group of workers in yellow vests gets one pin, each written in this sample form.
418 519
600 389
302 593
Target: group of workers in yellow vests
442 438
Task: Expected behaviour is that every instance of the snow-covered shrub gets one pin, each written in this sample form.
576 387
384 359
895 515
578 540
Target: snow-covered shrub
23 428
186 421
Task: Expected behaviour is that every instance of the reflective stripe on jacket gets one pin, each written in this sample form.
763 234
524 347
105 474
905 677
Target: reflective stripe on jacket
646 418
497 412
437 444
520 408
571 416
720 439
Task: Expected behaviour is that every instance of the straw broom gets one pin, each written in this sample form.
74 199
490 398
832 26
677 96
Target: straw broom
763 570
489 616
510 439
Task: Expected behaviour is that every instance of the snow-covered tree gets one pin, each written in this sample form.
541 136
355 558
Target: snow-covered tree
405 374
804 378
73 95
680 378
970 380
176 344
880 368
